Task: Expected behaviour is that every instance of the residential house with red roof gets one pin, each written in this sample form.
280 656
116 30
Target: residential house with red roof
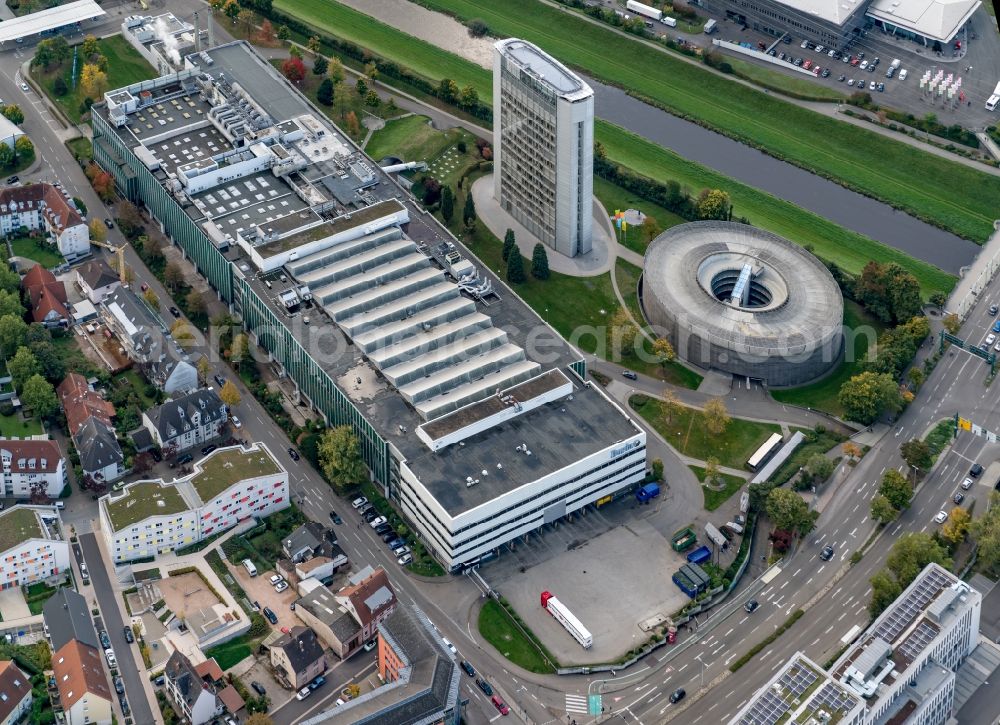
44 207
46 296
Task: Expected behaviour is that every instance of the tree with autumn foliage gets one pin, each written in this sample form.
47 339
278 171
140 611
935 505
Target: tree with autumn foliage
293 69
93 81
352 124
101 180
266 33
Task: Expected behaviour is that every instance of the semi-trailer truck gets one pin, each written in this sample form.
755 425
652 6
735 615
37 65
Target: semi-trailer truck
994 100
561 614
643 9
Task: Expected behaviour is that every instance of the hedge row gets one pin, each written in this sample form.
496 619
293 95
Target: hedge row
755 650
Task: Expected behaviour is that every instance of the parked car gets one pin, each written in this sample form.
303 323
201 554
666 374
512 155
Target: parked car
208 449
902 74
293 453
220 380
359 502
842 78
871 85
827 553
174 311
377 521
258 688
108 224
880 87
124 704
958 497
468 668
388 536
24 86
143 287
677 695
967 483
405 559
275 578
382 528
994 309
317 683
105 639
236 422
500 705
370 514
119 685
863 65
12 179
370 645
485 686
395 542
630 375
825 73
400 550
303 693
976 471
129 637
941 517
335 518
751 605
280 587
186 458
271 616
449 645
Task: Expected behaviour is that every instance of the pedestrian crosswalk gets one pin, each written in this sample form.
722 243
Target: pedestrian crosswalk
576 703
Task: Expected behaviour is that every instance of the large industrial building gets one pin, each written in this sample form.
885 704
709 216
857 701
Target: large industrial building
379 317
738 299
543 146
901 669
837 23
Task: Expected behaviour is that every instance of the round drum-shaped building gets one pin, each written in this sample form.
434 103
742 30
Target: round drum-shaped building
744 301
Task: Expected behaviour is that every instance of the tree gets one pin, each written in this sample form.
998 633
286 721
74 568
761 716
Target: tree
361 86
266 33
819 468
650 229
59 87
889 292
469 97
231 9
313 44
129 220
336 70
173 276
284 33
320 65
23 366
51 51
239 349
246 18
259 718
98 231
509 244
89 47
885 590
195 303
7 158
352 125
14 113
788 510
478 28
13 331
669 405
711 470
10 304
882 509
293 69
622 331
896 488
717 419
152 299
23 148
343 99
469 212
957 525
181 331
230 395
911 553
713 204
10 281
372 99
539 262
204 367
865 396
447 90
515 269
917 454
951 323
340 457
324 94
916 376
985 530
93 81
39 396
448 205
939 299
663 350
851 450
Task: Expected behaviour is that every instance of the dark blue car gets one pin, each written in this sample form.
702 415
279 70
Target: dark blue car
395 543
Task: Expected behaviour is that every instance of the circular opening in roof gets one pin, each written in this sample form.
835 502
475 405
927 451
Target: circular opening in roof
755 293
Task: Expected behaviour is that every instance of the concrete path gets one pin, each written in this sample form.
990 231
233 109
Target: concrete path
12 604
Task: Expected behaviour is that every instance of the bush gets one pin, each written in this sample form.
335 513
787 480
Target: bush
478 28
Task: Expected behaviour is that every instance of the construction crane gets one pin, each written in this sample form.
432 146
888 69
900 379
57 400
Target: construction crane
119 253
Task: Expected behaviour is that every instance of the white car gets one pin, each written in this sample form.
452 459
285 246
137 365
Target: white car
449 645
404 559
280 587
864 64
359 502
991 338
236 422
275 579
967 483
832 53
902 74
941 517
820 48
24 87
378 521
401 550
303 693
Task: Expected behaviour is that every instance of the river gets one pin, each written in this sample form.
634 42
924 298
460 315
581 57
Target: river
823 197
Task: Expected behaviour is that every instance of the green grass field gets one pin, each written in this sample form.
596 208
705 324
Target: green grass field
500 631
423 58
814 443
411 139
81 148
615 197
11 426
861 328
713 497
46 255
851 251
830 241
232 652
782 82
687 433
125 66
938 190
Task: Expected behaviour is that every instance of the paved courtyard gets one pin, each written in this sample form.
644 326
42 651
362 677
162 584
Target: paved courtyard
610 595
12 604
187 594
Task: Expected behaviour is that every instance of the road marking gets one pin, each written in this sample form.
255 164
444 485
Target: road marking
853 532
784 585
842 615
828 629
744 619
576 703
809 581
731 629
684 667
813 643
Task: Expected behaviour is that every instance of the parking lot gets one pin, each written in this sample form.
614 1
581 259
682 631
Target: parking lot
259 590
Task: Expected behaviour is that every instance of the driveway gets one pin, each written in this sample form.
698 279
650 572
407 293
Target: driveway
107 594
258 589
12 604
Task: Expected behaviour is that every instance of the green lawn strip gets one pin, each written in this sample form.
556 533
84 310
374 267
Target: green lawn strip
125 67
814 443
940 436
757 648
861 328
850 250
686 432
39 250
232 652
81 148
11 426
615 197
783 83
497 628
716 497
131 377
419 56
939 190
411 139
627 276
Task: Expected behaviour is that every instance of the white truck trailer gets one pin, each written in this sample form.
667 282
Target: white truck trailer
644 10
561 614
994 100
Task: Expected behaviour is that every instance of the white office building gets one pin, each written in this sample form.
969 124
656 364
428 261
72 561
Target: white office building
543 146
901 669
229 485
